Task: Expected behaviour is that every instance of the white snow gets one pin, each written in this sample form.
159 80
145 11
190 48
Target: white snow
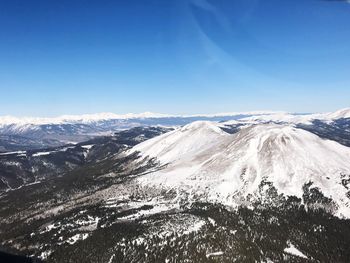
206 162
88 147
77 237
33 183
89 224
50 227
49 152
45 254
155 210
212 221
10 153
294 251
42 153
214 254
13 163
195 227
111 258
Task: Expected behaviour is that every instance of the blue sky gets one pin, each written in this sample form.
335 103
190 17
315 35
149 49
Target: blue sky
176 56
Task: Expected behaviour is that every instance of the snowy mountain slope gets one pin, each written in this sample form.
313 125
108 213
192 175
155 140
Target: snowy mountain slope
206 162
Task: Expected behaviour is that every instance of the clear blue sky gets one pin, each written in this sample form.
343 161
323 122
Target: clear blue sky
173 56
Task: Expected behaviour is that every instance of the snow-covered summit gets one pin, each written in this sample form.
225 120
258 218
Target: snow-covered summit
185 143
222 167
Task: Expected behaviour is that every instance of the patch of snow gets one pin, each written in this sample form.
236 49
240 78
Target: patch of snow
89 224
294 251
88 147
13 163
214 254
36 182
10 153
212 221
42 153
77 237
111 258
155 210
45 254
195 227
50 227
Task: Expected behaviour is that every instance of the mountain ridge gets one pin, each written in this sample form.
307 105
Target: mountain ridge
88 118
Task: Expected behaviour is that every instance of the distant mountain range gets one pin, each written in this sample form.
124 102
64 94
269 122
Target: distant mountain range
36 133
89 118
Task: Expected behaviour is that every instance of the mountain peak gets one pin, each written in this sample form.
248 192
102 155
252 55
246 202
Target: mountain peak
201 125
183 143
224 167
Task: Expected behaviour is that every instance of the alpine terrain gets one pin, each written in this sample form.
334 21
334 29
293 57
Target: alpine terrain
245 187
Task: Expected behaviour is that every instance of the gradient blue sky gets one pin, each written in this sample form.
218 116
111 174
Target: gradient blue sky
173 56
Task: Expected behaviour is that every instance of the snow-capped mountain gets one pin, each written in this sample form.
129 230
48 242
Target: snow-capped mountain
203 161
